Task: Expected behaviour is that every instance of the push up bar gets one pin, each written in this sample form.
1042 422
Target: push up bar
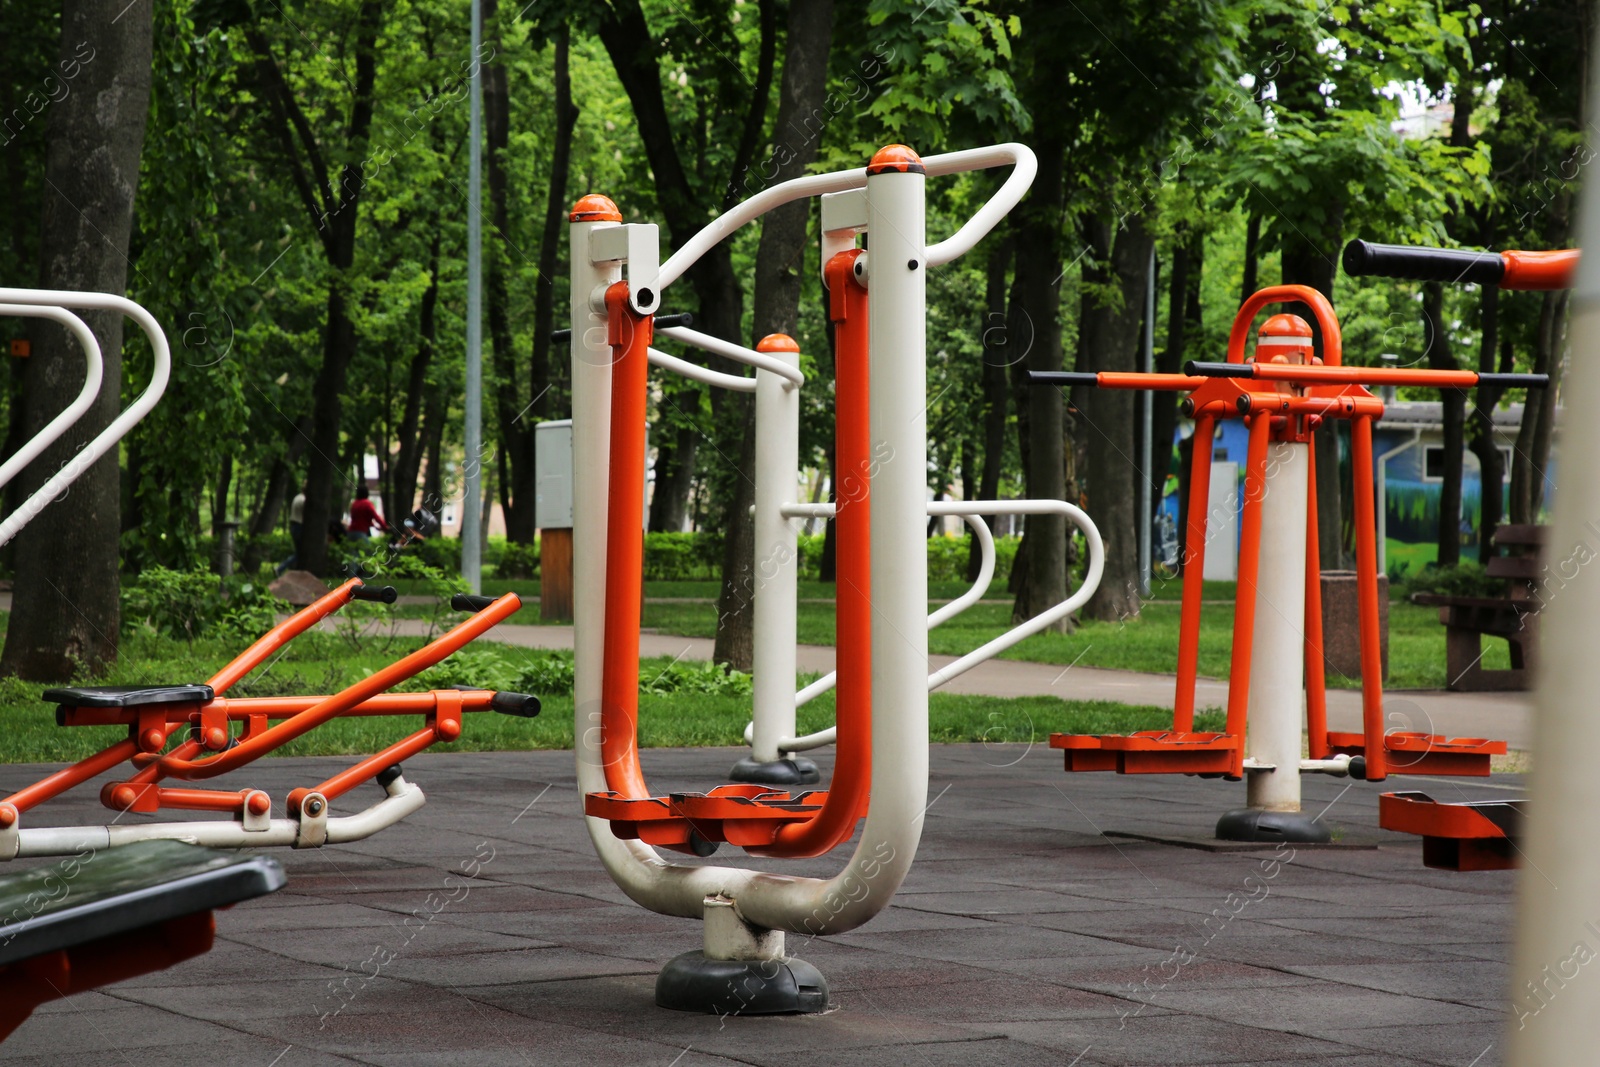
1508 270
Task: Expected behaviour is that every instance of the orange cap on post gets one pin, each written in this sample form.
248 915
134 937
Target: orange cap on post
895 158
594 208
777 342
1283 337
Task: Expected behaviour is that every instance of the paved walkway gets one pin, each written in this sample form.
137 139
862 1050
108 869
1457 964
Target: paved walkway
1502 716
1021 937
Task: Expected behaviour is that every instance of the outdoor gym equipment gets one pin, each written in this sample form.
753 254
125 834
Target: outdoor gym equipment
202 718
1464 835
877 301
1284 393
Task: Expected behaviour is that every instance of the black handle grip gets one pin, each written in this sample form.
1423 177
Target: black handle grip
1421 264
1195 368
682 318
468 602
1516 381
1062 377
375 594
522 705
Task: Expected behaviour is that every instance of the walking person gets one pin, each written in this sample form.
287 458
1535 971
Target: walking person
297 529
364 517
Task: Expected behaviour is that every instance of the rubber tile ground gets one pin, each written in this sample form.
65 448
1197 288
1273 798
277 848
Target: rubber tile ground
1022 936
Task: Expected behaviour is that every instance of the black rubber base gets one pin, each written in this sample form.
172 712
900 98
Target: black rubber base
795 770
1253 824
691 982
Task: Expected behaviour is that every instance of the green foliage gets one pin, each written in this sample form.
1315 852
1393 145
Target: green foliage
192 604
1466 578
517 561
681 556
690 677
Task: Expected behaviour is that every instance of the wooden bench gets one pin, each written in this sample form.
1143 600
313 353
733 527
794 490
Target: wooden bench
1514 617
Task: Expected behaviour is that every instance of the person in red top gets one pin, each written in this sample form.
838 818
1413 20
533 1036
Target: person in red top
364 518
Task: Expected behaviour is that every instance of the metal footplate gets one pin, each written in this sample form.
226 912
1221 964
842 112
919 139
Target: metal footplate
1150 752
1422 753
1479 835
749 816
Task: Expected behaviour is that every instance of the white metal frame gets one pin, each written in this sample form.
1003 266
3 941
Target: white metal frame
56 299
94 369
895 214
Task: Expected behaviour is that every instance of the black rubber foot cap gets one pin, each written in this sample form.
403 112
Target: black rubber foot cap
792 771
1253 824
691 982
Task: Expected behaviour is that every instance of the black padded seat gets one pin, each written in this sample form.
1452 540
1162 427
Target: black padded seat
127 696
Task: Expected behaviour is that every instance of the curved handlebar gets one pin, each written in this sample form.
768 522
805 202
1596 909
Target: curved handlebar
120 426
1332 345
1508 270
842 181
94 368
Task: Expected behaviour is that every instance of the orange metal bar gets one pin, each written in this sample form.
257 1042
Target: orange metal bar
1316 680
64 779
282 634
347 780
1539 270
1332 346
336 705
200 799
1194 564
1292 372
852 773
1346 406
1367 597
1112 379
629 336
1244 611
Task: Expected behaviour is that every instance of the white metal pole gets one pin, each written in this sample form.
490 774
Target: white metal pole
1146 412
776 547
471 492
1277 662
897 272
1555 1001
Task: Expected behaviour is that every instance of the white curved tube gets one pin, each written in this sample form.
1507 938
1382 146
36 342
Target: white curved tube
1091 582
698 373
217 833
737 353
94 367
1025 166
108 438
944 614
817 184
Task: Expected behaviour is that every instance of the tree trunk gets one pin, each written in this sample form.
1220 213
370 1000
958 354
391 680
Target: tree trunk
1483 442
780 261
1306 263
1440 357
409 461
997 355
1183 315
66 611
1038 283
1252 255
1532 455
669 503
1111 343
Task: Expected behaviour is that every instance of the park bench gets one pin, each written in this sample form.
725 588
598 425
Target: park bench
110 914
1514 617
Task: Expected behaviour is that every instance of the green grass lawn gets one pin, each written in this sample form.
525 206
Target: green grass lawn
321 662
1146 643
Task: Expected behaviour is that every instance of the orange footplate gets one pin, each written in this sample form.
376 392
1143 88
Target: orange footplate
1149 752
1472 836
1420 753
745 815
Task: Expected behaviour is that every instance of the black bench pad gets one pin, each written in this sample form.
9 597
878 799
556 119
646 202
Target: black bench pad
128 696
99 893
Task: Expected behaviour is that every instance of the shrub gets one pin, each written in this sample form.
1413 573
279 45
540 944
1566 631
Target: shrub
676 557
680 677
550 674
440 552
195 603
1464 579
518 561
